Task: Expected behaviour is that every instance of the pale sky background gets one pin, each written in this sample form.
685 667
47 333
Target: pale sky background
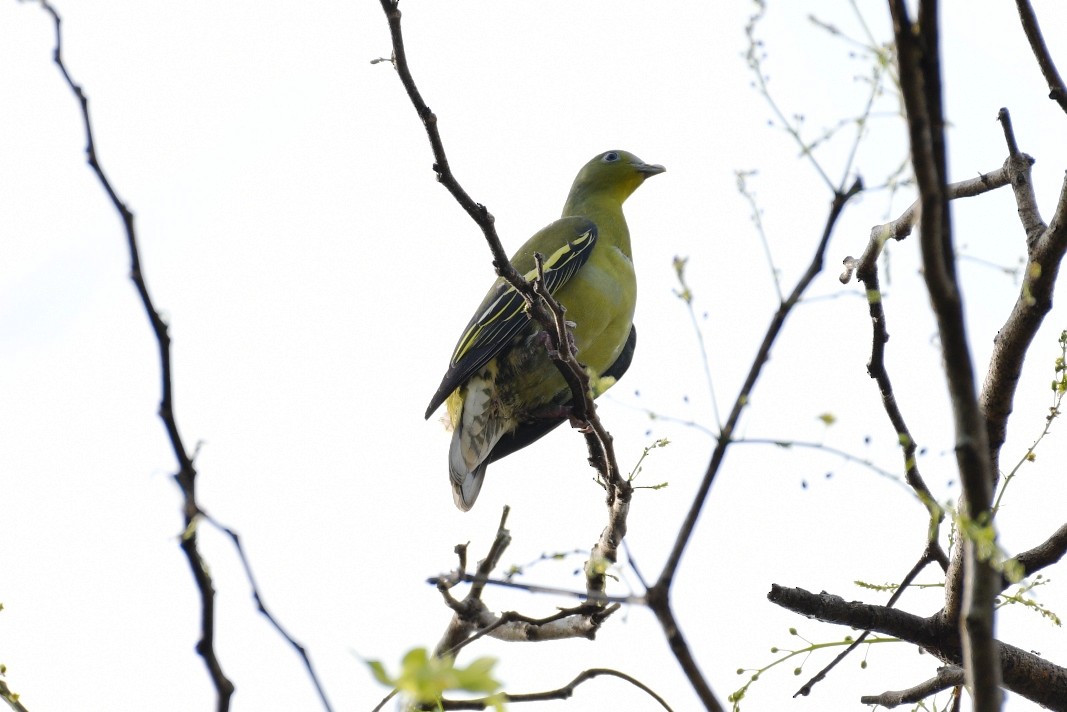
316 277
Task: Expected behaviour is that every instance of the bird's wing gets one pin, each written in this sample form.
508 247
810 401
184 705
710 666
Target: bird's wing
529 432
503 311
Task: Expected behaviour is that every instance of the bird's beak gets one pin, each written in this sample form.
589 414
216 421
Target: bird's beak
649 169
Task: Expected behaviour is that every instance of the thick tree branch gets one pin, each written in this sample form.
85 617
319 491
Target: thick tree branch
185 477
920 73
932 553
1024 673
1057 89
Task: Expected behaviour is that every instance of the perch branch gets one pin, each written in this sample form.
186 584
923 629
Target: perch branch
542 307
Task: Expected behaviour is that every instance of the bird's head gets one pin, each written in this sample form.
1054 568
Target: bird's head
615 174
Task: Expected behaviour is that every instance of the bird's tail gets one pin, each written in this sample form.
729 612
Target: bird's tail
466 483
478 428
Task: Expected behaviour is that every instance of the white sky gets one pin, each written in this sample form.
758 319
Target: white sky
316 277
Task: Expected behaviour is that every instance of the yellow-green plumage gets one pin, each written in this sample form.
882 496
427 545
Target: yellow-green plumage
502 390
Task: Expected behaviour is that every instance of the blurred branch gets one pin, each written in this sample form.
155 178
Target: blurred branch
828 449
920 73
562 693
186 474
947 676
1057 89
754 55
1044 554
459 577
1024 673
11 698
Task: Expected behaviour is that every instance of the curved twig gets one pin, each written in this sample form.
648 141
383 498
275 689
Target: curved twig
561 693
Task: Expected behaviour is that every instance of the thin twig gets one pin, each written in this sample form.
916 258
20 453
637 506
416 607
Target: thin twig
185 477
536 588
261 606
561 693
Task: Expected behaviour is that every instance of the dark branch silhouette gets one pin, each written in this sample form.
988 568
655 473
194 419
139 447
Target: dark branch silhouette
1024 673
186 474
185 477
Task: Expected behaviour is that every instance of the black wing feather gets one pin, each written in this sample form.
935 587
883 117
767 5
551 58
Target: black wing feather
503 314
534 430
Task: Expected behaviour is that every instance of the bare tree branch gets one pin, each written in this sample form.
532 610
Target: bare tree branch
1024 673
185 477
909 219
948 676
1057 89
920 74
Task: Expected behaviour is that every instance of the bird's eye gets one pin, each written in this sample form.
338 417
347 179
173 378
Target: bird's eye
610 157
